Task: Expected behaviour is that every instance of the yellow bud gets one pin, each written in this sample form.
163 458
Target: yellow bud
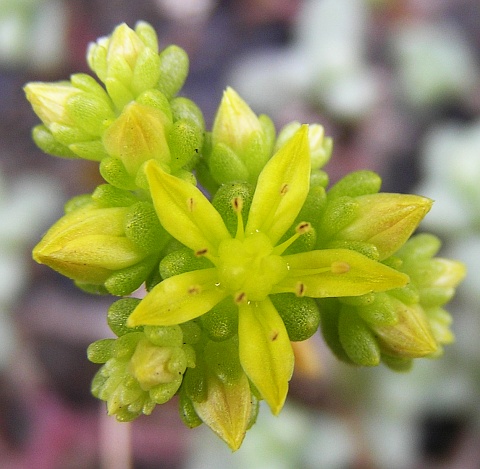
386 220
137 136
149 365
235 122
49 101
124 42
410 337
88 245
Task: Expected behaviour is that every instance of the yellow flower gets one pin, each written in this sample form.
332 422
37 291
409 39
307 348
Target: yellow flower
250 266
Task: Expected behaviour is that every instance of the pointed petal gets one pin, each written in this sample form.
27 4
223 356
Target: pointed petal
178 299
185 212
337 272
266 353
282 188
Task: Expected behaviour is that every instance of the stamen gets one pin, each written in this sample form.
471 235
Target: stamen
300 229
191 204
340 267
237 204
201 252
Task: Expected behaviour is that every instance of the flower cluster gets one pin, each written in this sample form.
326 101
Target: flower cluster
242 246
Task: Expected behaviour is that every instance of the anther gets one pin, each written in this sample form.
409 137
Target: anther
284 189
300 289
201 252
194 289
303 227
240 297
340 267
191 204
237 204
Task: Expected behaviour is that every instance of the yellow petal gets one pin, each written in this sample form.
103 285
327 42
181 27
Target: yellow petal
282 188
185 212
337 272
266 353
178 299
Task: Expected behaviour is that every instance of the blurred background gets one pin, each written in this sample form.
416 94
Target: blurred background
396 83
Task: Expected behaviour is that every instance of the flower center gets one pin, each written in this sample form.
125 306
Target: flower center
248 268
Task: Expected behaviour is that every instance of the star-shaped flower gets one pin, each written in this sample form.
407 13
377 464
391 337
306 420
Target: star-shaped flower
250 266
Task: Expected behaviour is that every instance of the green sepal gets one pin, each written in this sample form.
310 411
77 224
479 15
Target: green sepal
185 142
398 364
228 408
146 71
184 108
147 34
67 135
164 336
269 132
156 99
107 195
300 315
357 339
92 150
100 351
195 383
255 155
144 229
174 65
380 312
120 94
187 410
125 281
221 322
90 113
330 313
355 184
90 85
44 139
223 198
320 178
118 313
180 261
338 213
114 172
367 249
226 166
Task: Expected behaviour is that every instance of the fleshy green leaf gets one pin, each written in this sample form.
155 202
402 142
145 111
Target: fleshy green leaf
337 272
266 354
282 188
178 299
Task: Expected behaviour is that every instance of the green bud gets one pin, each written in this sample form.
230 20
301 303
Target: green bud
226 166
338 213
100 351
185 140
44 140
164 336
385 220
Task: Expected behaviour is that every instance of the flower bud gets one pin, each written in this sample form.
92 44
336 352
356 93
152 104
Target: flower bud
238 139
320 146
74 115
138 135
410 337
89 245
385 220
